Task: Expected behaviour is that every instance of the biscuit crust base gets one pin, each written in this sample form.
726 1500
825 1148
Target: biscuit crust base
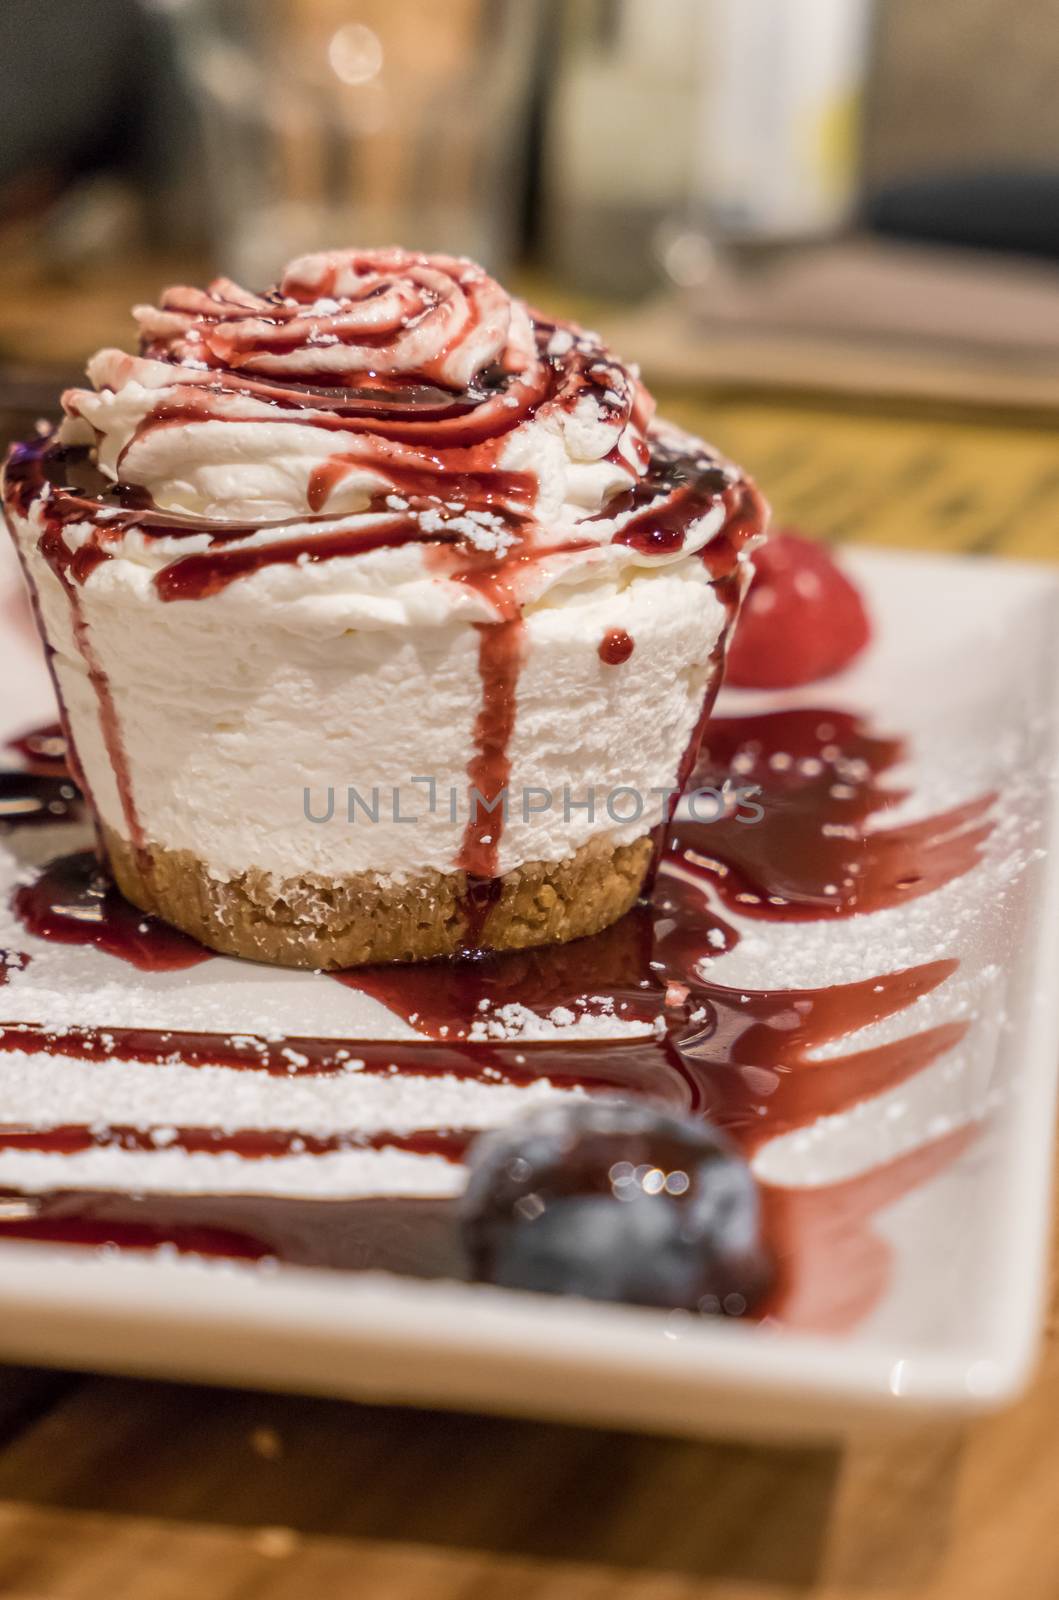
313 921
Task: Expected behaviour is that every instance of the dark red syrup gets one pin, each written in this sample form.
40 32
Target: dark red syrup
476 483
747 1063
196 577
436 453
250 1144
745 1058
499 664
42 750
74 901
41 789
419 1238
674 494
749 1060
811 853
612 970
631 1066
833 1266
615 647
21 471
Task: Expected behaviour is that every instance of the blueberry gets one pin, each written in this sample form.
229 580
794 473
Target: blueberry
616 1200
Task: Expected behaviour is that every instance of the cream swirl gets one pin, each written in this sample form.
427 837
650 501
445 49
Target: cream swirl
389 432
362 373
347 313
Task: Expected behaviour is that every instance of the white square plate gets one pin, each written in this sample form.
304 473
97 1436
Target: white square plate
964 665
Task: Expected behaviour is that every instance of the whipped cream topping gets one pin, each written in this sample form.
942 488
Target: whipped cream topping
362 373
350 468
383 438
342 313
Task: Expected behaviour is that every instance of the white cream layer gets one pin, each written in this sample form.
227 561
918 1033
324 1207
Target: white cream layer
246 461
364 672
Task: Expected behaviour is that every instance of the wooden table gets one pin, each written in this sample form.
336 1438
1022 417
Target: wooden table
121 1490
112 1489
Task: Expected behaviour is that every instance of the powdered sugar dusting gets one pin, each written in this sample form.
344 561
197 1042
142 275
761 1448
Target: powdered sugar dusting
939 636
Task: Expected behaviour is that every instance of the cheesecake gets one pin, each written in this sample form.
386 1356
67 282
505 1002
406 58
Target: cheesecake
384 616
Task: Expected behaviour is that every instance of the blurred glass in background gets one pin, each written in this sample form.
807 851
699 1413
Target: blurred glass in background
678 126
325 121
625 141
783 171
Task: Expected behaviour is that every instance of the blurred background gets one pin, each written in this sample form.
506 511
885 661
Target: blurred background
835 204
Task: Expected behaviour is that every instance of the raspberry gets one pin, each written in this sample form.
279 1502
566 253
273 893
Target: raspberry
801 620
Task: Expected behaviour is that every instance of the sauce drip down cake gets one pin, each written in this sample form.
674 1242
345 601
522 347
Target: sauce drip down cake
385 619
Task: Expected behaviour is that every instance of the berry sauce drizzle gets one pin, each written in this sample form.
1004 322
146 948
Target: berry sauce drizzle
499 660
810 855
616 646
42 789
74 901
420 369
435 455
42 751
749 1060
